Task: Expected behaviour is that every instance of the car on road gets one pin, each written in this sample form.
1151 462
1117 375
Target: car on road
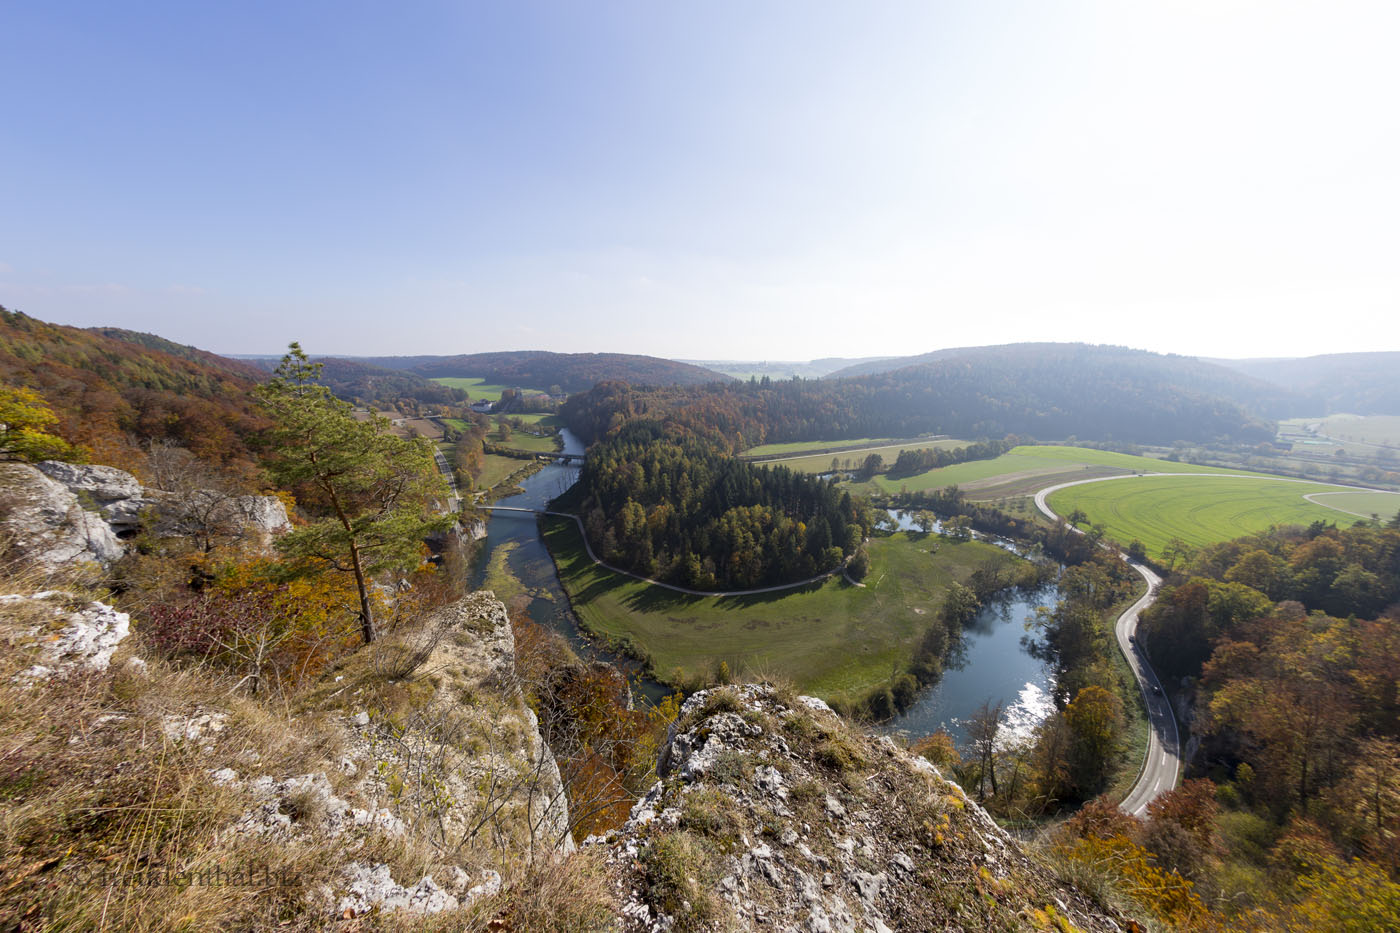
1156 689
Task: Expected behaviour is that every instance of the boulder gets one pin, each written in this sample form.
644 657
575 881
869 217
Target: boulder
103 484
264 514
82 637
44 520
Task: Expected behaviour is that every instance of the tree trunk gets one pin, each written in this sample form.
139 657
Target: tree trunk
366 608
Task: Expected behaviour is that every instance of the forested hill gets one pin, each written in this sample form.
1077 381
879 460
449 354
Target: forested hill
540 369
244 368
1048 391
1353 383
1120 366
113 395
673 507
367 384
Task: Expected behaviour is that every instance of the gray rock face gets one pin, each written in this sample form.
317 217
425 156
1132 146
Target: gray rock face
45 521
103 483
124 505
264 514
794 821
87 637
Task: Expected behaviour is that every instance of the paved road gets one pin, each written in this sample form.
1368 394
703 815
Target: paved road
455 502
1162 767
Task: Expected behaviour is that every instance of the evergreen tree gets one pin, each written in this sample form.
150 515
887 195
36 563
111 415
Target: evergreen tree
371 492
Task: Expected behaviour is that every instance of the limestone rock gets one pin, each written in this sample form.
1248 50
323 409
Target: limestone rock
103 483
85 637
45 522
788 819
373 886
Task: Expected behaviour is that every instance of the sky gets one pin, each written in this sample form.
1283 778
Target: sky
722 180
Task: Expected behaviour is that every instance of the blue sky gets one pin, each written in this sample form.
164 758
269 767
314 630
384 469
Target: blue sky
720 180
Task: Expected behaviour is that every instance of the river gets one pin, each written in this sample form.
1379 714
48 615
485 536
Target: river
513 561
993 662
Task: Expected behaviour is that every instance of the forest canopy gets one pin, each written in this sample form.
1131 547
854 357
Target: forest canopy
675 507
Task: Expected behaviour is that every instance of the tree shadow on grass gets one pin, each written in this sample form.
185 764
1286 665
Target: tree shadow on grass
660 599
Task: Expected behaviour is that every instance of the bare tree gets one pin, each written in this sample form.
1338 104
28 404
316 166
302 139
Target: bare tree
982 728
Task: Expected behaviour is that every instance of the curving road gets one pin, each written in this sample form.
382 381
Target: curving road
1161 769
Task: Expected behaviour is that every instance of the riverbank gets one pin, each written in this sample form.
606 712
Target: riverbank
830 639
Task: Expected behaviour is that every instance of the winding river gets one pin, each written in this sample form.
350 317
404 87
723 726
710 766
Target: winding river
514 561
993 661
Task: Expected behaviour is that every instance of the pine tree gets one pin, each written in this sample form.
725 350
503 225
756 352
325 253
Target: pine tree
372 492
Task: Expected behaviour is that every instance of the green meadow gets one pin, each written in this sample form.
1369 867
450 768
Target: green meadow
799 447
831 639
476 388
1366 429
1385 505
1027 469
852 459
1198 510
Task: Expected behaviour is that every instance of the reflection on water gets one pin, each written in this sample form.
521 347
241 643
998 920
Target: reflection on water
994 661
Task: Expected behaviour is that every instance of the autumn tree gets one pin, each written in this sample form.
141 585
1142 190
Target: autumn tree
1095 718
26 423
371 493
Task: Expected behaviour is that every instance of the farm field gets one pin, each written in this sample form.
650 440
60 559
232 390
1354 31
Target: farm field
851 459
496 468
798 447
476 388
831 639
519 440
1025 470
1376 430
1204 510
1361 504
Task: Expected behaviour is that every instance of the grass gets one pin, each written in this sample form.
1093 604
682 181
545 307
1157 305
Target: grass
478 389
495 469
1362 504
543 419
829 639
519 440
1383 430
798 447
851 459
1024 470
1156 509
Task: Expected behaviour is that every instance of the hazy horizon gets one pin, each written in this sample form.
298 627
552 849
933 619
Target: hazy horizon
741 181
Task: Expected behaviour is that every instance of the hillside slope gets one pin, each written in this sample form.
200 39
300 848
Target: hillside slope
541 369
367 384
1045 391
113 395
1354 383
1122 365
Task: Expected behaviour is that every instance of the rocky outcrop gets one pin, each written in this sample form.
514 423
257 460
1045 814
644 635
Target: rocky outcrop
64 514
71 634
773 815
489 757
103 484
44 521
